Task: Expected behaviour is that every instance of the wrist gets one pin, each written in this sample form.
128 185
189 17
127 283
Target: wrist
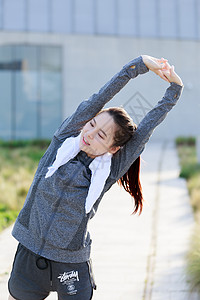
176 87
179 82
136 67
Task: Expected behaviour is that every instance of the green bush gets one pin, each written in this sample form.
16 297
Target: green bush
190 140
193 261
7 216
18 163
190 170
42 143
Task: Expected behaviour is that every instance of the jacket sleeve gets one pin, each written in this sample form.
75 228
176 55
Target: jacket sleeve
89 108
124 158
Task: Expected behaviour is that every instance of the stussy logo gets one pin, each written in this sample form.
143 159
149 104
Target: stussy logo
66 276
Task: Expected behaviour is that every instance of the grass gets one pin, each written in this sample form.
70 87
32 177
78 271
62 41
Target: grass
18 163
193 261
190 170
7 216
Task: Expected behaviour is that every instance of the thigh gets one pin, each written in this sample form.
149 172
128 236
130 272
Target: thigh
27 281
73 281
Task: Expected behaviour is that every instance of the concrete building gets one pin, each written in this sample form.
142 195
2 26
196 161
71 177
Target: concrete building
56 53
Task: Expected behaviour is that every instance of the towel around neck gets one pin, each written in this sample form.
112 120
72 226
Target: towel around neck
100 168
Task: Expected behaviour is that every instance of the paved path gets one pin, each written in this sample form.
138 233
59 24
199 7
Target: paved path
140 258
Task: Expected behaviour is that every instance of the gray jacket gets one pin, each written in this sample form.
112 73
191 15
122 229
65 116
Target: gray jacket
53 221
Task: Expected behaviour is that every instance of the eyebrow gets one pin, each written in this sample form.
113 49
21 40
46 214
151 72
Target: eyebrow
100 129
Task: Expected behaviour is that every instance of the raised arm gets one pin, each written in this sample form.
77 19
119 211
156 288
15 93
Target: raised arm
128 154
89 108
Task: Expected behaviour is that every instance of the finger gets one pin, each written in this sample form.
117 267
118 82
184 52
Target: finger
166 74
156 65
172 69
156 61
166 66
162 75
161 64
162 60
166 79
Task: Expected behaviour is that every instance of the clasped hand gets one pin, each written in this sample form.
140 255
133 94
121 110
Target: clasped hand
162 68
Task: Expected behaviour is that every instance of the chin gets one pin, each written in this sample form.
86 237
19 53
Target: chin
92 155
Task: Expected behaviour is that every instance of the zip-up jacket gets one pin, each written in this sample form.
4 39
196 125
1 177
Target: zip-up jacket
53 221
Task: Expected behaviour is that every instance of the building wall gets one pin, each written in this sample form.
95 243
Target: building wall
90 61
93 60
99 36
30 90
137 18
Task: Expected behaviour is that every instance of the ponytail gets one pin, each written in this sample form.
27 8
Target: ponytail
125 130
131 183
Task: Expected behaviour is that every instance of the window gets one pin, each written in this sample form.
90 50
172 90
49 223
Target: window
30 90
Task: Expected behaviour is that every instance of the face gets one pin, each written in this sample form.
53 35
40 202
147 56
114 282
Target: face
97 136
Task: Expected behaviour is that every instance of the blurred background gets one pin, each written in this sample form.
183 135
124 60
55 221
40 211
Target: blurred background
56 53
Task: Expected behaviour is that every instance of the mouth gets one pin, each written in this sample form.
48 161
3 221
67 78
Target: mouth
85 142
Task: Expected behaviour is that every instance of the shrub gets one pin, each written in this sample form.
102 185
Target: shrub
7 216
189 170
42 143
18 163
193 261
181 140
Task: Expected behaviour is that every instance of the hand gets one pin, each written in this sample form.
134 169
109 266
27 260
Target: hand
156 65
171 75
162 68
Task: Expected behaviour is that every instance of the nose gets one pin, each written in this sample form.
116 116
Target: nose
91 134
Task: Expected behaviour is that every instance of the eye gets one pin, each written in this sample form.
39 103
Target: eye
100 136
91 124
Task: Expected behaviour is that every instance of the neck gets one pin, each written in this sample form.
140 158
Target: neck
93 156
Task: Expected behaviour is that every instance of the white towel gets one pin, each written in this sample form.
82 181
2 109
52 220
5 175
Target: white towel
100 168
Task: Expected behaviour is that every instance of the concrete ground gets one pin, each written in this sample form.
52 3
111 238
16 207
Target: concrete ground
136 257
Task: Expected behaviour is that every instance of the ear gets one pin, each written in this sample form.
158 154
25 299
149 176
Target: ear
114 149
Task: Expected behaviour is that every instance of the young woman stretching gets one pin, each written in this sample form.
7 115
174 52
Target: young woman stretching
89 152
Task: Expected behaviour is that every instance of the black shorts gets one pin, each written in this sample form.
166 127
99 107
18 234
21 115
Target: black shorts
33 277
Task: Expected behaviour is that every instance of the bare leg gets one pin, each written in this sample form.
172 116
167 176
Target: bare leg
11 298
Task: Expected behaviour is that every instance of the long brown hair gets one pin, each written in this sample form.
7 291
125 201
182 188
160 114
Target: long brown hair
130 181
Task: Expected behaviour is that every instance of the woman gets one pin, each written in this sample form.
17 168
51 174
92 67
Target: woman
90 151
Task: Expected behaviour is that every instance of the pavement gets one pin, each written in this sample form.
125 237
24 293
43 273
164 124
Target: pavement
136 257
